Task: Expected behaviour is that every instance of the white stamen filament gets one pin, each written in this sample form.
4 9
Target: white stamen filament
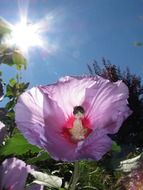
78 131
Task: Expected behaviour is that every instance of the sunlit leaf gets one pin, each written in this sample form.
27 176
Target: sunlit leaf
12 82
47 180
17 145
6 55
4 27
2 49
19 60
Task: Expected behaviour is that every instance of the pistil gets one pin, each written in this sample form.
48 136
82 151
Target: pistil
77 127
78 131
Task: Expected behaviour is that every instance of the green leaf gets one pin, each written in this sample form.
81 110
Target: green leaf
18 145
23 86
6 55
116 147
41 157
10 105
19 60
9 91
4 27
12 82
11 114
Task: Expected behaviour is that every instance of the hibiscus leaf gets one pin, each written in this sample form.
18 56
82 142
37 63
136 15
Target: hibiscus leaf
116 147
18 145
12 82
42 156
47 180
4 27
19 60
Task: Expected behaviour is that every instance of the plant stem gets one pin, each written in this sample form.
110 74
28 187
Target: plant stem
75 177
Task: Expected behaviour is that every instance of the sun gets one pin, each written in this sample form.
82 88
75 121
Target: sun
25 35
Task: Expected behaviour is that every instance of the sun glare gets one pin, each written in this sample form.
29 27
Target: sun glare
25 35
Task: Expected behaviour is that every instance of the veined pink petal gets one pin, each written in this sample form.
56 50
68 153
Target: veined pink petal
41 121
95 146
31 101
106 104
13 174
68 92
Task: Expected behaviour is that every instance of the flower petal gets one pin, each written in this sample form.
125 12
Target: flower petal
68 92
106 104
41 121
95 146
33 110
13 174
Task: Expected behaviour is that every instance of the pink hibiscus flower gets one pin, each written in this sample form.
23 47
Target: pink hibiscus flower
13 174
72 118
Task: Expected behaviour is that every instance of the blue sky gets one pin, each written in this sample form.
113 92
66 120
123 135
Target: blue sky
81 31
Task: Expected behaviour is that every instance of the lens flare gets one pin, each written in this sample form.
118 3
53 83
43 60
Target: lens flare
25 35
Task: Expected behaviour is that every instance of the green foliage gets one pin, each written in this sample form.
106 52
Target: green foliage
8 54
15 88
116 147
12 56
94 175
17 145
19 60
4 27
42 156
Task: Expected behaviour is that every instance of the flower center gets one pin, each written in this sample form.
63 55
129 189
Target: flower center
78 131
78 126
